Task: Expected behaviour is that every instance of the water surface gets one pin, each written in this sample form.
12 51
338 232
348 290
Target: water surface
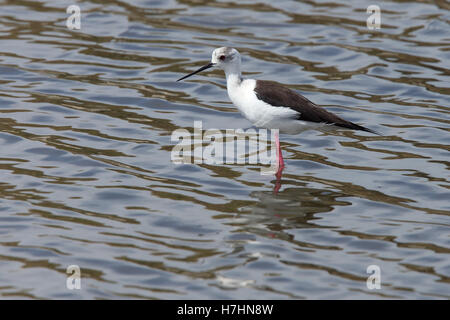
85 135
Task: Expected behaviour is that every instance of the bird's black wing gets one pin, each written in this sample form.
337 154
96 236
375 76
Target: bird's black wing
277 95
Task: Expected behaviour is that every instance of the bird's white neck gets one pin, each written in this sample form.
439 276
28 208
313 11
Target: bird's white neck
233 75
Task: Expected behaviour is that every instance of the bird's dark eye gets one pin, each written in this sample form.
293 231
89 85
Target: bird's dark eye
222 58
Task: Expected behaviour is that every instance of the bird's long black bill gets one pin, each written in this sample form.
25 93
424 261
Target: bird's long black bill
209 65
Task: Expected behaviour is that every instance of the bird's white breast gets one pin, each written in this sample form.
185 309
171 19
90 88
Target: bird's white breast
262 114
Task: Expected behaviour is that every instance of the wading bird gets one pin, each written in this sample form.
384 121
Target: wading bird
268 104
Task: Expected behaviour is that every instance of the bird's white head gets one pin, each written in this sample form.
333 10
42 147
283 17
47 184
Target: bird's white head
225 57
228 59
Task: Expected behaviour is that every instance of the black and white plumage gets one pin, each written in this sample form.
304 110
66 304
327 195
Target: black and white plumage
268 104
277 95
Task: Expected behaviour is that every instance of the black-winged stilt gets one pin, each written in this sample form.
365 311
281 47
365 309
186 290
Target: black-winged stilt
268 104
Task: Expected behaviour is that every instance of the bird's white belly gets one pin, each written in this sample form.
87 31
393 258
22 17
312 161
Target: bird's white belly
264 115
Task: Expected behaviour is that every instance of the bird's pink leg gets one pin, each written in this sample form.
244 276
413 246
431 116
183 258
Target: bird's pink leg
280 165
279 153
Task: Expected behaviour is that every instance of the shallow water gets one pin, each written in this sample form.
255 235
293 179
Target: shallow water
86 176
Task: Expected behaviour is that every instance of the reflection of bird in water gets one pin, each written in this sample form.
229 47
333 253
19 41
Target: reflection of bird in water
292 208
270 105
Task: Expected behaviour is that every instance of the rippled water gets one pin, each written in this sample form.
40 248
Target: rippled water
85 133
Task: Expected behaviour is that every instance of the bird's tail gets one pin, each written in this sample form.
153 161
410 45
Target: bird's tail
354 126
